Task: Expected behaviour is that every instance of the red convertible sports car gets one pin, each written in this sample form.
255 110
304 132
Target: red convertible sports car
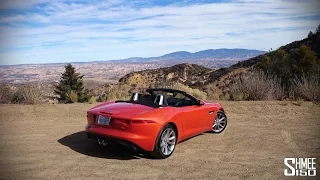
154 121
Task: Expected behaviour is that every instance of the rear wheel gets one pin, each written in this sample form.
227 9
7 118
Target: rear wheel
220 122
166 142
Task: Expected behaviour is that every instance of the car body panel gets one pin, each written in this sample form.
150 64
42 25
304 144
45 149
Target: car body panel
141 124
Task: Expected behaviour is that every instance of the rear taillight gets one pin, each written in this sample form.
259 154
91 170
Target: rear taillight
142 121
90 118
124 121
128 122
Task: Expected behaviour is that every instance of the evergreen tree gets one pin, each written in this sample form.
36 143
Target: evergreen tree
71 85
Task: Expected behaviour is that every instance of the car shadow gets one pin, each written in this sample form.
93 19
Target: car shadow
81 144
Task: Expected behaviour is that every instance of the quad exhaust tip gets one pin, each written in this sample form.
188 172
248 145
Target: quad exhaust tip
100 141
103 142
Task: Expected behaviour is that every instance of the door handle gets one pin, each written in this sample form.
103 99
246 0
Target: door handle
211 112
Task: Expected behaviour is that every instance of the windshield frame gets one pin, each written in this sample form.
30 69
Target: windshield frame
194 99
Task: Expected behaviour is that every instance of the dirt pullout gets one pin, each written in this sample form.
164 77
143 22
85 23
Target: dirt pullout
48 142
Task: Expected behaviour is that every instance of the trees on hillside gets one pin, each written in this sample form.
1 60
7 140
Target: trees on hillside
290 64
70 87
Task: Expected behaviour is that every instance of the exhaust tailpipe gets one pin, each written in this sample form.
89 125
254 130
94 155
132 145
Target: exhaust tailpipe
104 142
100 141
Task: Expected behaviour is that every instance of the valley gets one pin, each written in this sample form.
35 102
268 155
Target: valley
112 71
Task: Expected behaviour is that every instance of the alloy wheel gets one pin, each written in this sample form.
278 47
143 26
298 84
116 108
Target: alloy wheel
220 122
168 141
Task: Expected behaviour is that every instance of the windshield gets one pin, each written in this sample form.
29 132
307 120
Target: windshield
176 99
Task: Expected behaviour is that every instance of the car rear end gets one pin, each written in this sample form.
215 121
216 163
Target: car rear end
138 134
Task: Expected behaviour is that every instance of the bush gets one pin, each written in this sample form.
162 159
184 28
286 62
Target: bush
299 101
307 88
256 86
18 98
213 96
238 96
213 93
195 92
83 96
27 94
119 92
5 94
72 96
102 98
92 100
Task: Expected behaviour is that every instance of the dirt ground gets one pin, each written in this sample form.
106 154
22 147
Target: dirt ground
48 142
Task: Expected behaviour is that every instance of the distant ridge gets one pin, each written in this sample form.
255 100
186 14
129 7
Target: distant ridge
296 58
112 70
208 54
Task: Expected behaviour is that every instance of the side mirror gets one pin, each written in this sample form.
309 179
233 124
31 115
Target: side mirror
201 102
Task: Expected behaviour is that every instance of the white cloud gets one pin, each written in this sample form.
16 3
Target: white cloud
112 29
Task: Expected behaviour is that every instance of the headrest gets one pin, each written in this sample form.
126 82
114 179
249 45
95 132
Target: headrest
134 96
160 100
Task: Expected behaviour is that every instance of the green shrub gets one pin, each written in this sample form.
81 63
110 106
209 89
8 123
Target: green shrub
92 100
18 98
73 96
83 96
238 96
102 98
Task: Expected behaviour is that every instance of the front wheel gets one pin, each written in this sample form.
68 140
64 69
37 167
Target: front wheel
166 142
220 122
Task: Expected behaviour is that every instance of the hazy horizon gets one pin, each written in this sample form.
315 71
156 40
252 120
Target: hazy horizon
112 60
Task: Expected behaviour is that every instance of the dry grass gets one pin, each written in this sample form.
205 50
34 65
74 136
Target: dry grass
307 88
92 100
119 92
27 94
47 142
73 96
256 86
5 94
213 92
195 92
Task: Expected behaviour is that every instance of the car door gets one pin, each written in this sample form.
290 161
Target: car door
192 121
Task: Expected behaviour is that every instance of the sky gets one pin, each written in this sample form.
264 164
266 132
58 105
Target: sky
45 31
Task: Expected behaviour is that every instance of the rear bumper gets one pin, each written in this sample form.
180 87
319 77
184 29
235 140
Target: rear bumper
110 139
143 142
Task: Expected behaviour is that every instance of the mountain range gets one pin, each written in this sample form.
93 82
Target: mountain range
290 63
208 54
110 71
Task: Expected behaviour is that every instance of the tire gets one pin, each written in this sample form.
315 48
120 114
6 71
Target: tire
165 142
220 122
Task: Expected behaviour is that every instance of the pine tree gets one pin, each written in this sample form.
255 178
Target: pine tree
70 85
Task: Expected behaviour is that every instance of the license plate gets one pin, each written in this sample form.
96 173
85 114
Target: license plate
103 120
